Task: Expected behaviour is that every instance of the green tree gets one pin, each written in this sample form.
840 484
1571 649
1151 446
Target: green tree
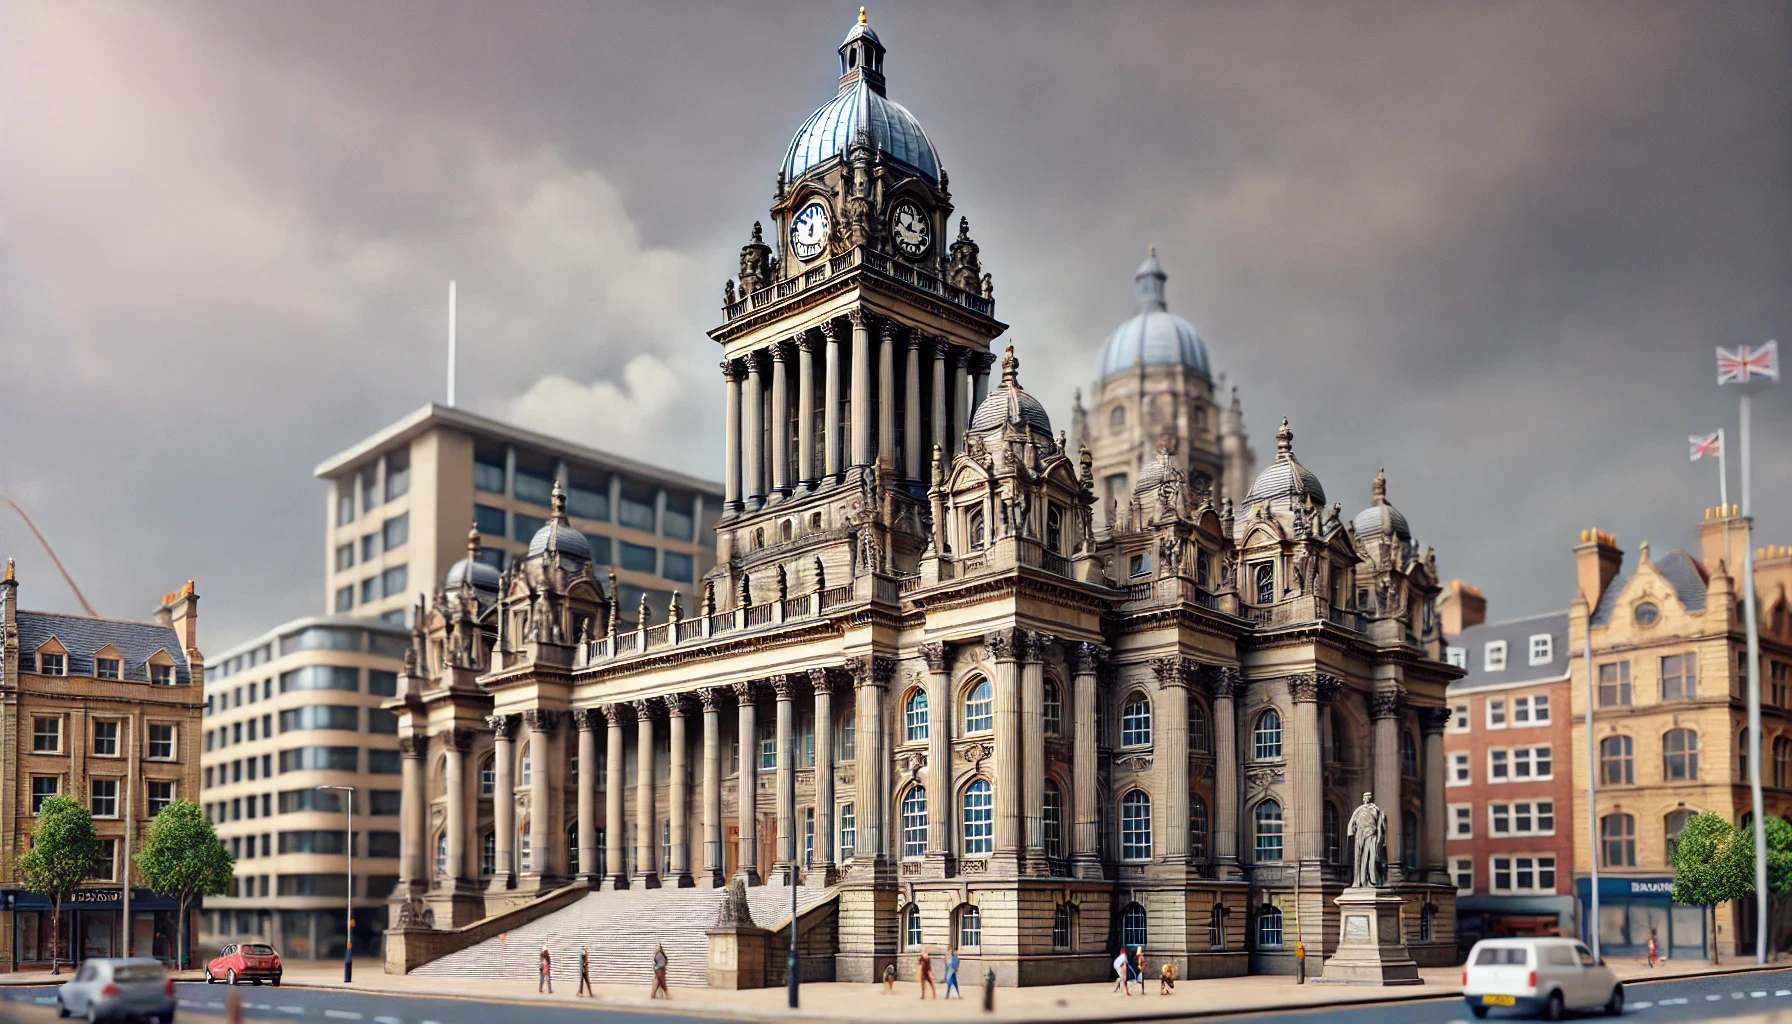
182 857
1714 863
1779 856
63 853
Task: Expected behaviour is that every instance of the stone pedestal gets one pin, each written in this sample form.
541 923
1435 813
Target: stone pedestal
1370 950
737 954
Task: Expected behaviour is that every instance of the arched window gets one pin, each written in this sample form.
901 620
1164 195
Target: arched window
911 927
1117 417
1680 755
1052 820
1617 841
980 708
488 777
488 854
974 529
1054 709
1269 928
1200 734
914 822
1266 582
970 927
527 760
1061 927
1409 756
1216 928
1334 839
1197 827
1617 762
979 819
1409 840
1268 819
914 717
441 854
1135 826
1132 925
1201 570
1268 735
1135 721
785 530
1782 762
1670 828
1054 529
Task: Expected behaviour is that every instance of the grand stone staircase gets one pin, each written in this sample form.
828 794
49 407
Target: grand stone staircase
620 929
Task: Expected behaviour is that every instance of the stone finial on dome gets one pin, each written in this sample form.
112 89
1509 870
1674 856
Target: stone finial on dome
1010 369
1284 442
473 541
1380 486
862 18
557 504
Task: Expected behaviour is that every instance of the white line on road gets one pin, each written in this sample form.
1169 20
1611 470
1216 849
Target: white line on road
387 1020
1756 995
212 1006
1641 1006
1784 992
1735 995
290 1009
43 1000
1712 999
342 1014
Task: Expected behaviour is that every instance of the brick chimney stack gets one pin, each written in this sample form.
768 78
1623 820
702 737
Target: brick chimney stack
1597 561
180 610
1460 607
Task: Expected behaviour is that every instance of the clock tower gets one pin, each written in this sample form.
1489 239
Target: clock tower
855 343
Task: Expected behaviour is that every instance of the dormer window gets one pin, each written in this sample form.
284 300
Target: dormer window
1494 656
1542 649
1054 529
52 663
1265 577
161 675
974 528
108 668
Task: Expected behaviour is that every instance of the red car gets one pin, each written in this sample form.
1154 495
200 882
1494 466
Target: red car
252 961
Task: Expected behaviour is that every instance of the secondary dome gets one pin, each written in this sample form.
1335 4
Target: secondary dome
1154 336
483 577
861 105
1381 517
1010 404
555 535
1285 478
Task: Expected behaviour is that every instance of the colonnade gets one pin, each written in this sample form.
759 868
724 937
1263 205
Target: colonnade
772 446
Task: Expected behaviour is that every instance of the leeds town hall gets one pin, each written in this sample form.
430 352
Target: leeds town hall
965 681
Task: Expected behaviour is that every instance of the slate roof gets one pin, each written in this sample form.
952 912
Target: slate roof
82 636
1680 570
1517 634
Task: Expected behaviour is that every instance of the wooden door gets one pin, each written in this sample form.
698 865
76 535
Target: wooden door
731 852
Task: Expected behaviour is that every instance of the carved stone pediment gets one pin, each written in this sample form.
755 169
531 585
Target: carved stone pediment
1133 762
975 752
1259 778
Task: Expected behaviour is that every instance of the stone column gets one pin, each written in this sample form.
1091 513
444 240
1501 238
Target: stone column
980 364
784 685
1085 846
754 486
860 402
454 781
830 396
821 871
780 420
542 829
940 349
731 373
912 443
1308 784
713 862
1170 725
961 406
678 797
747 799
1384 711
1032 754
615 876
939 749
886 395
413 808
503 801
1007 646
871 675
1433 721
805 415
1227 682
586 719
647 836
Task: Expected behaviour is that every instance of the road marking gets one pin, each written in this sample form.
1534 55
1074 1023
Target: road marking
1712 999
1735 995
1641 1006
1784 992
387 1020
290 1009
1756 995
212 1006
42 1001
343 1014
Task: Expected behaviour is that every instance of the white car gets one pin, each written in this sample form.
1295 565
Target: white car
137 989
1538 975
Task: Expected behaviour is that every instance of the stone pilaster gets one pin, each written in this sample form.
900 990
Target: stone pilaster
714 866
1034 648
1433 720
413 837
545 838
871 678
1170 742
1226 683
830 414
940 349
647 833
886 394
503 801
1384 712
1007 647
678 796
784 687
939 753
1085 858
961 416
732 374
615 864
860 401
458 743
821 871
587 720
753 487
780 420
806 469
912 442
747 781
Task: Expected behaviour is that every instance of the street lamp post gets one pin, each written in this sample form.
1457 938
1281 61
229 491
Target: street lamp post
348 916
790 964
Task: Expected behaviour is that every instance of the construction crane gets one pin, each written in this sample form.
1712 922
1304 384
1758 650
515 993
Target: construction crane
66 578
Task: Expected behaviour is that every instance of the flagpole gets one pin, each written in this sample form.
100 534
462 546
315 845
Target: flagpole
451 341
1754 697
1723 477
1592 786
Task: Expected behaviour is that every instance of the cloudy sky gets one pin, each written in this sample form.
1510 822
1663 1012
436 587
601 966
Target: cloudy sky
1489 246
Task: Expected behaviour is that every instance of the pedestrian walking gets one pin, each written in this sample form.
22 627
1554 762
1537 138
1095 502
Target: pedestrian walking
1123 968
890 979
924 971
952 974
1138 967
1166 980
660 963
585 973
1652 950
546 984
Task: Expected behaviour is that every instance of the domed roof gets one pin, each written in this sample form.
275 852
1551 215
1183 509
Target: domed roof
1285 478
484 577
555 535
1381 517
1010 404
1154 336
861 105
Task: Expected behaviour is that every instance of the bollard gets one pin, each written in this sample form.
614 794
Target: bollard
233 1007
989 991
1300 963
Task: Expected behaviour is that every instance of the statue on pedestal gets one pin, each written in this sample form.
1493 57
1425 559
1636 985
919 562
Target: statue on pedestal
1368 830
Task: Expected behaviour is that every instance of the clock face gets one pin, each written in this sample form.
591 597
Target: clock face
909 229
809 231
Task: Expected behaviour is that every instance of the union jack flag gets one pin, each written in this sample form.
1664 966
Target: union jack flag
1710 445
1744 363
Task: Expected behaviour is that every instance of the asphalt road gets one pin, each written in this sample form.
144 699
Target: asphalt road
1683 999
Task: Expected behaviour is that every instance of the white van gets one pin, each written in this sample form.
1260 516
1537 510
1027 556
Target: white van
1538 975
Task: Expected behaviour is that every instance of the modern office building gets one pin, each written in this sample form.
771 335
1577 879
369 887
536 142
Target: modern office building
107 712
292 710
402 501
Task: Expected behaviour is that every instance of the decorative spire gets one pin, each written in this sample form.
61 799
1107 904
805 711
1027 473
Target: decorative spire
1284 442
1148 284
862 18
1010 370
1380 487
557 504
473 544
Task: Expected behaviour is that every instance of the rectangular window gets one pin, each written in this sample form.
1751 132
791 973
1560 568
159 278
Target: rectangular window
1498 766
488 470
382 803
381 722
383 762
1542 648
638 557
49 664
1494 657
1524 818
161 794
46 735
524 526
396 531
768 747
677 522
42 788
338 759
321 716
370 547
106 863
105 739
1532 710
1457 656
1524 874
345 502
1496 713
105 798
161 675
321 677
1462 869
533 486
1462 821
161 742
398 473
489 521
1460 772
600 550
345 557
588 496
1531 763
636 508
382 682
1459 718
678 566
1679 677
108 668
345 598
393 580
370 590
848 832
370 494
1614 684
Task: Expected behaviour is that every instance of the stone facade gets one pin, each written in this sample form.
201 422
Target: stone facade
919 672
